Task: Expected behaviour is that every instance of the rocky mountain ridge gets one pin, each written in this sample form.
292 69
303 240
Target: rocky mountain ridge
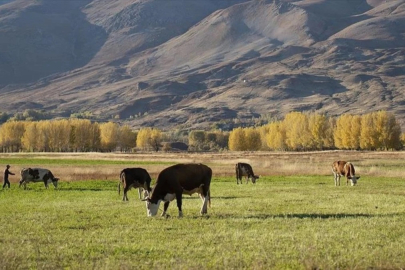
192 63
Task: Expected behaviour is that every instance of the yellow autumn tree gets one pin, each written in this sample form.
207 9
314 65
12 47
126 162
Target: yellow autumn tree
142 138
109 136
298 136
342 132
388 130
149 138
368 134
237 140
253 139
11 134
59 135
320 131
85 135
264 130
30 138
43 135
127 138
155 140
276 136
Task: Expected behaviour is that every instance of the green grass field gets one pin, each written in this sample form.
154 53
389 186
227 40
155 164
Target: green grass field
291 222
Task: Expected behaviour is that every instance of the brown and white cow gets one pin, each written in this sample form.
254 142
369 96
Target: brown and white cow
37 175
343 168
134 178
177 180
244 169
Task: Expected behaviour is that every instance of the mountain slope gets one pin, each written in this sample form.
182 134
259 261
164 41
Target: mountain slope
191 63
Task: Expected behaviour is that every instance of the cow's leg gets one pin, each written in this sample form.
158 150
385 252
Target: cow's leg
140 193
165 206
124 196
126 189
335 178
46 184
205 200
179 201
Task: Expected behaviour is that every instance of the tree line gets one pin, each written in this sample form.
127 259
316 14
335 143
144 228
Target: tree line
296 132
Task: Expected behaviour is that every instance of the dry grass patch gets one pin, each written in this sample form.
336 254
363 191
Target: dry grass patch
107 166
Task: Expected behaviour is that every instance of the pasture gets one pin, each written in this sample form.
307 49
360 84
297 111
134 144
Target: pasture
292 218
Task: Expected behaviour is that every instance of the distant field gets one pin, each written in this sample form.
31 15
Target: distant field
288 220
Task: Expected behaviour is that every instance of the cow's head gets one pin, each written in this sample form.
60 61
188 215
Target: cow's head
353 179
55 182
151 207
254 178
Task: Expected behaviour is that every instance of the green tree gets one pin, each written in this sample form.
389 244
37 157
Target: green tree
196 140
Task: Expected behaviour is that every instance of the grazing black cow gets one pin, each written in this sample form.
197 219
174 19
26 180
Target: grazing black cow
180 179
37 175
134 178
340 168
244 169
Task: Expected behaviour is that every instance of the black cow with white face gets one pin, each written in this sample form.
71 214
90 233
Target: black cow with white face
244 169
134 178
177 180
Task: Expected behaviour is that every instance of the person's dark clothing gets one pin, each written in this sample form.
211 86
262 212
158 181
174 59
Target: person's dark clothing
6 174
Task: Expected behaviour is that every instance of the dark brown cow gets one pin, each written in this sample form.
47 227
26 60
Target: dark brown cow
134 178
244 169
177 180
37 175
343 168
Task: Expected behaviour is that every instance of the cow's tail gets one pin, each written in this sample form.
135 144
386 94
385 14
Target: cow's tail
119 183
209 198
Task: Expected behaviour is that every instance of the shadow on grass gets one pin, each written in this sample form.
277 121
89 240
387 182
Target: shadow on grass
194 197
305 216
83 189
312 216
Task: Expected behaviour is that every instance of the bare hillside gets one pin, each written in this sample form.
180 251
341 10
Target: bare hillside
191 63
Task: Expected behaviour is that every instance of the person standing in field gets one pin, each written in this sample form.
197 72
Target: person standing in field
5 178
